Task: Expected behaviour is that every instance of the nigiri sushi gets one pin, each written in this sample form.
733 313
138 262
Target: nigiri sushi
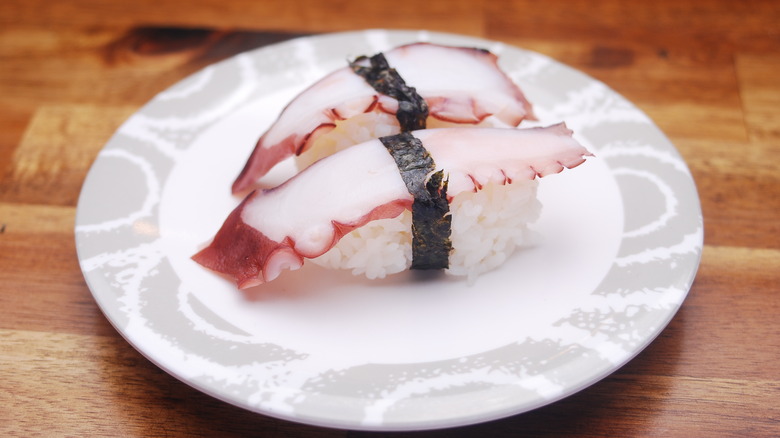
458 85
352 209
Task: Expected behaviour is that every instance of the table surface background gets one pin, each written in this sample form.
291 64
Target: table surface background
705 71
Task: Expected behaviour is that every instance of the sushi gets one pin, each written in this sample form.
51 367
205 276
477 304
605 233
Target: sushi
439 86
355 209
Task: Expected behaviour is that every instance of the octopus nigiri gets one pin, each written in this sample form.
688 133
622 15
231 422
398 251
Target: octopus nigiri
340 196
459 86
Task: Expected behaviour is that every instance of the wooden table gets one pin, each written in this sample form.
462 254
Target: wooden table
706 72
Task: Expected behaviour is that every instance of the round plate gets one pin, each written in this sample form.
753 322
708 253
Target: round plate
620 240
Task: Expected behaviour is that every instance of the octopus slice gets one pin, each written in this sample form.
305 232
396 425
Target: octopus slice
460 85
276 229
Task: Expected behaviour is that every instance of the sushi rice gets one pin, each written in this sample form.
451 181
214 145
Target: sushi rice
487 226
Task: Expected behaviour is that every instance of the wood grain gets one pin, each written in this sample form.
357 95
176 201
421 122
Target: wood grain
705 72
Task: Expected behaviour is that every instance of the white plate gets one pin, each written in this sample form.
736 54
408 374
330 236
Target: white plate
621 239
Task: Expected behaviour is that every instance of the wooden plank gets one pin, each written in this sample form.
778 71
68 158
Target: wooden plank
312 15
56 152
728 316
758 78
739 189
44 290
742 25
23 219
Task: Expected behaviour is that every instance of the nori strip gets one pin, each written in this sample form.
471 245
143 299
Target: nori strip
412 108
413 161
432 226
431 219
